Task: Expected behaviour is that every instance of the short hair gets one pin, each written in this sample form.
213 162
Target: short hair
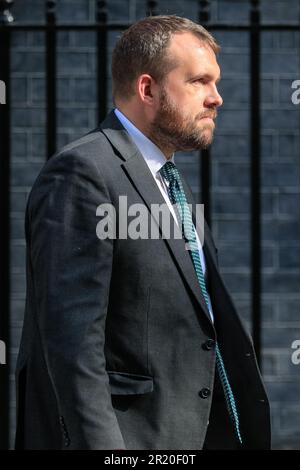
142 48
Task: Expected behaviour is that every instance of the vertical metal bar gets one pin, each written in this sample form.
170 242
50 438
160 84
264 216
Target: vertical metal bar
102 59
255 176
132 11
5 42
51 76
205 165
152 8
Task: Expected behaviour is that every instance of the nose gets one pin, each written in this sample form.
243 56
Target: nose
219 99
214 98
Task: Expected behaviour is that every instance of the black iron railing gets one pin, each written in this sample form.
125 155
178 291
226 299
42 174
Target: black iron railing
102 26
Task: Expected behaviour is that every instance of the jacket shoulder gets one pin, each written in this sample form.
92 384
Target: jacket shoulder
90 151
86 157
91 146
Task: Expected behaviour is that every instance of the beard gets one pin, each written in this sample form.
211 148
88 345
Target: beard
172 130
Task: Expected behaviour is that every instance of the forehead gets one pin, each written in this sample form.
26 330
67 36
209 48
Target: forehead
192 55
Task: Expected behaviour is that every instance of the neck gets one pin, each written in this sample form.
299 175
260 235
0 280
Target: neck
166 151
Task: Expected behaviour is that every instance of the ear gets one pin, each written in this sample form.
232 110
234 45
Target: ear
146 89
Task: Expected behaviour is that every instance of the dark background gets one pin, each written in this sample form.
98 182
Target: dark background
234 183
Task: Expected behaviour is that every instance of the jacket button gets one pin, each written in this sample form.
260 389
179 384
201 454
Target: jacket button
209 344
67 442
204 393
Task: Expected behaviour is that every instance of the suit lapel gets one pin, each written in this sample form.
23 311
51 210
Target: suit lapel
140 176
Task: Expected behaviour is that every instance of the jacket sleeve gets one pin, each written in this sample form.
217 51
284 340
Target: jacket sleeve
72 270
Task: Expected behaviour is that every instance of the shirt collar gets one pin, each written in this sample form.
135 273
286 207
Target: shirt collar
152 154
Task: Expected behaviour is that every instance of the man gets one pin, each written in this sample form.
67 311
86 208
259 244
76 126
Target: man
132 342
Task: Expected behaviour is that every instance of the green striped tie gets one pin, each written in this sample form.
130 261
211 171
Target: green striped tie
177 197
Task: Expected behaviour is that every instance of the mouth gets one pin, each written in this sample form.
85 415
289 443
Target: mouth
209 116
208 119
212 117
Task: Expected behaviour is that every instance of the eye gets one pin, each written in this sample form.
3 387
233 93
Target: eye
200 80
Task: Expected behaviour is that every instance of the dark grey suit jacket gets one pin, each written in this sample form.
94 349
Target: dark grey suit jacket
113 352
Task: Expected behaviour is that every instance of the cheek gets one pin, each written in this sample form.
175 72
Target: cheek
193 107
188 100
194 99
176 92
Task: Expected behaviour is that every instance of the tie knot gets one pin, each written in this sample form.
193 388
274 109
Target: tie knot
170 172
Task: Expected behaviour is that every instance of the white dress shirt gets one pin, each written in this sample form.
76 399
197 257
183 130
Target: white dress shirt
155 159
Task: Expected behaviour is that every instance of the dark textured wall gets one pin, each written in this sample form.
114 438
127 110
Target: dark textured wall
230 164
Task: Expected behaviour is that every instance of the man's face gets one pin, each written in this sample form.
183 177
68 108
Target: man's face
188 98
